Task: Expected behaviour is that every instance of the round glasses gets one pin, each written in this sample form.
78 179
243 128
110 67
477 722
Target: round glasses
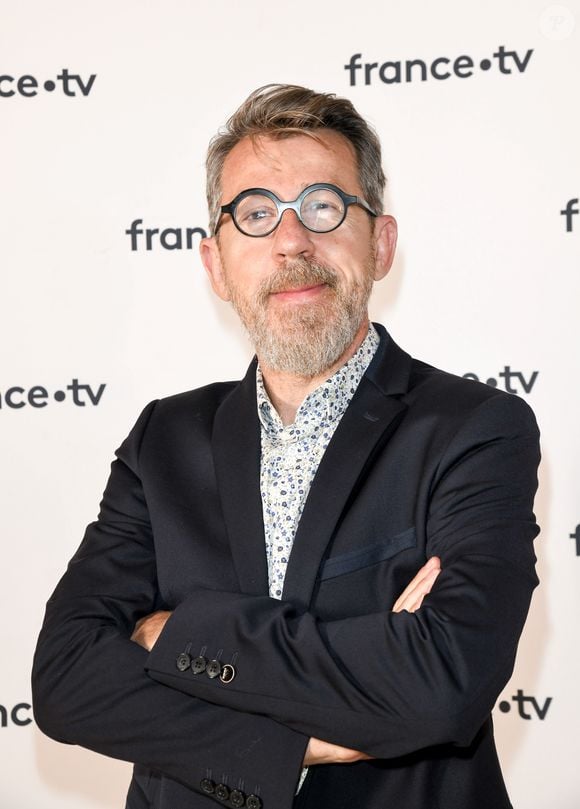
321 207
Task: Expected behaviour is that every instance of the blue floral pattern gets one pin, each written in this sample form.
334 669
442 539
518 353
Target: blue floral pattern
291 454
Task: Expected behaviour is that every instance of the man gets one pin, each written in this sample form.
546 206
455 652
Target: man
233 617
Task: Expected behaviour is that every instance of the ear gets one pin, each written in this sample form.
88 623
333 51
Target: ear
385 241
212 262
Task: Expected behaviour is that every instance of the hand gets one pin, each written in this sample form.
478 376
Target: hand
412 596
319 752
148 629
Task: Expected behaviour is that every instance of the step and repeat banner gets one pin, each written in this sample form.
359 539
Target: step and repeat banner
105 115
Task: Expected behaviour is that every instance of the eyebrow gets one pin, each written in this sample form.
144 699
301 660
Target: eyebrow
303 187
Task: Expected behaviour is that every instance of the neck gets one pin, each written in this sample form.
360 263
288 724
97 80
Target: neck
288 391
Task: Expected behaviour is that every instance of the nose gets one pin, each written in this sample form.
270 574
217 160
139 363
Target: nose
291 238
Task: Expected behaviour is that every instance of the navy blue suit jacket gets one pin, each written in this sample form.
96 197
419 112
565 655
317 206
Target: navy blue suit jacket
423 463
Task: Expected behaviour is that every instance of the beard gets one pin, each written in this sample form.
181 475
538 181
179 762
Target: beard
303 338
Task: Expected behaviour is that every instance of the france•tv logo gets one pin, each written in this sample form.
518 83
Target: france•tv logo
28 86
528 707
569 212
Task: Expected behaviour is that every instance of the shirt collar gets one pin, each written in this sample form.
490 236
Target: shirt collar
324 405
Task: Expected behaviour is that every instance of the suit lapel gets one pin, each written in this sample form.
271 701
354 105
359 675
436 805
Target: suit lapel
236 450
369 421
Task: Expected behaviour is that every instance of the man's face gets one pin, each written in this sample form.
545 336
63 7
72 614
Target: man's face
302 296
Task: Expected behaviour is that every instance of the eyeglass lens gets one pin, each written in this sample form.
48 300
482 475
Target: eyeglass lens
321 210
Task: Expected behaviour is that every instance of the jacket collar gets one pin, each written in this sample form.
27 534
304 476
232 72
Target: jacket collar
370 419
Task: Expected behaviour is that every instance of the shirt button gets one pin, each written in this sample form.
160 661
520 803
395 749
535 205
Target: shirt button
253 802
183 661
222 792
213 669
237 798
198 665
207 786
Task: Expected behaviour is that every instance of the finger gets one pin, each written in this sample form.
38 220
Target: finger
137 631
321 752
430 565
434 563
421 583
415 597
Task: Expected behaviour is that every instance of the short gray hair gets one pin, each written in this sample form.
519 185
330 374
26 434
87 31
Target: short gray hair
282 110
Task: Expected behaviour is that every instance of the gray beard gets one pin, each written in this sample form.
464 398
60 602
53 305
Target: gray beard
307 339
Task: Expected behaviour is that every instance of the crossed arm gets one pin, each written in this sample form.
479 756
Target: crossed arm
447 661
390 683
318 751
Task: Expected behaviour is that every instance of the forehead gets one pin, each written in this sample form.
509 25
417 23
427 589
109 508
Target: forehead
289 164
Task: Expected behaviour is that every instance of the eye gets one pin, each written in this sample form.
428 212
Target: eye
256 208
320 205
258 213
322 209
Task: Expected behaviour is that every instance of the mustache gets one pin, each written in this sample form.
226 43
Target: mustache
298 273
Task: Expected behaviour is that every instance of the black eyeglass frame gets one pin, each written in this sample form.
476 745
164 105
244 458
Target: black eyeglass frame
294 205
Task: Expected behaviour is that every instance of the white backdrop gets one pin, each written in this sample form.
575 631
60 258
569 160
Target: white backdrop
480 166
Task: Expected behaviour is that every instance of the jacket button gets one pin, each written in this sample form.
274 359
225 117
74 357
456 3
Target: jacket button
207 786
222 792
253 802
237 798
198 665
213 669
183 661
228 673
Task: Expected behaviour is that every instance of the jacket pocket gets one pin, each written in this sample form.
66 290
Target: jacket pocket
368 555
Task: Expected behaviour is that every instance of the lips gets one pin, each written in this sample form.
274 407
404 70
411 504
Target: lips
292 290
299 280
304 292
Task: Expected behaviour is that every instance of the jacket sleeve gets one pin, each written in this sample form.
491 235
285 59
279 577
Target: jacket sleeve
89 683
387 683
